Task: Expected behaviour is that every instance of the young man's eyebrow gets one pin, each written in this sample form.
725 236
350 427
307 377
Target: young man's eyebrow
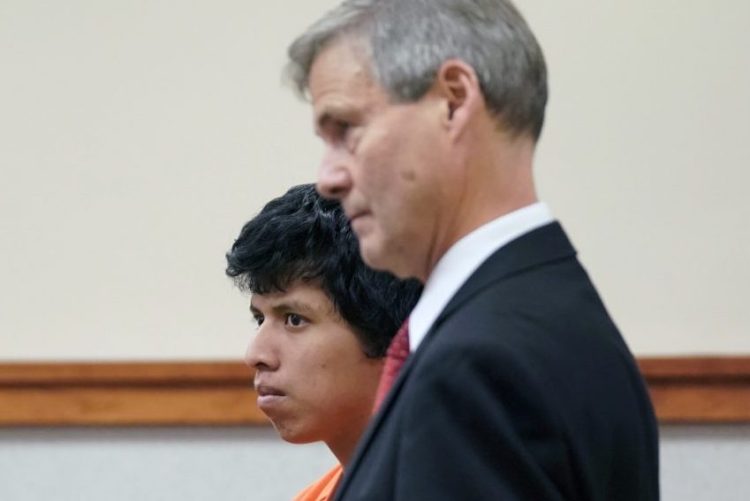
286 306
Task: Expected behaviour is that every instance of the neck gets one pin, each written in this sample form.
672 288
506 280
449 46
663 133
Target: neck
343 445
497 181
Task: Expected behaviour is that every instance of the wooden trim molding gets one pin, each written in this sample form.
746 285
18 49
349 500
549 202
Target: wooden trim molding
699 389
127 394
683 389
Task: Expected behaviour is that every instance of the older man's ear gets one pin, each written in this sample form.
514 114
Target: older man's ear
457 85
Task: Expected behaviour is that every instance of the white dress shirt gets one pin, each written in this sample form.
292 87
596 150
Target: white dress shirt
463 258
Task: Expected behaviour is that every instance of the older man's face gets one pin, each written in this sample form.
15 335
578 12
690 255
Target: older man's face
386 162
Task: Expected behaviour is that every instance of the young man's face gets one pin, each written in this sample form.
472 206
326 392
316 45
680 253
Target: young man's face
313 379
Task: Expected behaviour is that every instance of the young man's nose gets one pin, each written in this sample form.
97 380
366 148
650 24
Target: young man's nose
260 353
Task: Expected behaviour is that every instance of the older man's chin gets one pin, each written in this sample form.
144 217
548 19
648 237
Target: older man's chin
380 256
373 254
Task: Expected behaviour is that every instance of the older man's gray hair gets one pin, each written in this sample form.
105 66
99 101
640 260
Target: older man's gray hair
408 40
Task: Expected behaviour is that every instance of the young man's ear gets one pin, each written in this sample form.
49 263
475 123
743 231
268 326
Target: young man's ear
458 86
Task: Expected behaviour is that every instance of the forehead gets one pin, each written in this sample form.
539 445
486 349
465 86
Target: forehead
341 77
300 297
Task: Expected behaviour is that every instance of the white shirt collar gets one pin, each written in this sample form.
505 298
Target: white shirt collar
463 258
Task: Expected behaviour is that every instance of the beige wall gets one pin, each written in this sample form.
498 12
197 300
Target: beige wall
137 137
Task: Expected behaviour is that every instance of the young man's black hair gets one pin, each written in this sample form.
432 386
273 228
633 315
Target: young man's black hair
301 236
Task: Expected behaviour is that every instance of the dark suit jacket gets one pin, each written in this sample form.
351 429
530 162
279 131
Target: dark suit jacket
522 390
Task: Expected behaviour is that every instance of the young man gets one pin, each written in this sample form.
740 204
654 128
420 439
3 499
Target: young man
519 385
324 322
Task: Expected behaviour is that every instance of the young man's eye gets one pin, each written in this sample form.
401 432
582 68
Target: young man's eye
294 320
258 320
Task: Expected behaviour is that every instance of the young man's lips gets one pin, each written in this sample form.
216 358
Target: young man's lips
268 396
265 390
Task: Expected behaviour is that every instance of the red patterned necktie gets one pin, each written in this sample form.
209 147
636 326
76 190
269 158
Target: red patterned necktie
397 353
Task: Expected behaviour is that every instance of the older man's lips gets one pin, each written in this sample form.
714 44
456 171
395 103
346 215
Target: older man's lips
357 217
351 216
268 396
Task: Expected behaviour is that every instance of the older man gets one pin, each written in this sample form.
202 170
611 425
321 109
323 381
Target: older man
518 386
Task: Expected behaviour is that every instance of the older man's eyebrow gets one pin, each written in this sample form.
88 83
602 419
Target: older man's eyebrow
333 113
330 114
322 121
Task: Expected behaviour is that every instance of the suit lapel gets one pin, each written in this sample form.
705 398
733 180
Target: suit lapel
543 245
536 248
377 421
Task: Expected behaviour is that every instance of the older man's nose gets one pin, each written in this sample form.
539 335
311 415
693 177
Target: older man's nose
334 176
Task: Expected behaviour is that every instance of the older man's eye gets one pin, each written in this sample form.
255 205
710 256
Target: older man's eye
294 320
340 128
344 133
